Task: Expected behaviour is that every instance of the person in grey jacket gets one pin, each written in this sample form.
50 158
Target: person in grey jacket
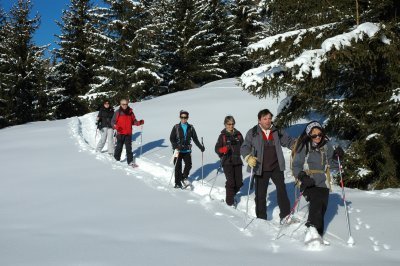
262 150
314 159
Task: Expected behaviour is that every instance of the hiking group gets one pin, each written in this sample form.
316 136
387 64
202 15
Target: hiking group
313 159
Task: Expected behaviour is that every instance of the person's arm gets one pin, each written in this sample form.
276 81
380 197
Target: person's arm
172 138
286 140
298 161
220 149
196 140
247 146
114 120
332 160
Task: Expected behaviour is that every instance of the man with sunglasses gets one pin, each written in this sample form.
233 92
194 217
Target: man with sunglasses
122 121
181 136
262 150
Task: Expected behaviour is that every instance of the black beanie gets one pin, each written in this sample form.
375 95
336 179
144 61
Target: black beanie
184 112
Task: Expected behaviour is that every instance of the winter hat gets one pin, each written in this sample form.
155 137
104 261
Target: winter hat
183 112
311 125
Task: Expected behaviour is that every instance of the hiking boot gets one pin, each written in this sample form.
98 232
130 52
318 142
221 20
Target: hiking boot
178 186
326 242
186 182
312 235
134 165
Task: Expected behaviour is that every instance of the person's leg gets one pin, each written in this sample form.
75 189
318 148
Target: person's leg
110 140
318 198
102 141
187 159
118 148
282 197
261 183
238 177
229 184
178 170
128 147
325 199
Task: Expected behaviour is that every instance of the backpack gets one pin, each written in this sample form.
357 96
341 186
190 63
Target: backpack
238 135
188 133
306 168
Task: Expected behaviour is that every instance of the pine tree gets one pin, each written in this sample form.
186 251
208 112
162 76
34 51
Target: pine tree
23 67
72 76
352 85
127 69
3 69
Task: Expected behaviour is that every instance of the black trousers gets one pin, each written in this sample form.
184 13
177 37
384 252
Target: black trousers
121 140
318 198
234 181
262 182
187 159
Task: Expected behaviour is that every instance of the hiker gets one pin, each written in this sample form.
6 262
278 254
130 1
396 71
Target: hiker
228 149
103 122
262 150
122 121
313 161
181 136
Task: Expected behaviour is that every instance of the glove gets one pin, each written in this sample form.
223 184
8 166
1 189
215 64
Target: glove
338 152
223 150
306 181
202 148
141 122
251 160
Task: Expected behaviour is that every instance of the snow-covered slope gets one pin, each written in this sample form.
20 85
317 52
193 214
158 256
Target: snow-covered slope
63 204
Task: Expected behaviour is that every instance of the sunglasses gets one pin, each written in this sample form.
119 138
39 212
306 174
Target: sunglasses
184 117
316 136
124 104
231 124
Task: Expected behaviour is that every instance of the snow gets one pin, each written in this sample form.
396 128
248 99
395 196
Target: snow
308 61
61 203
374 135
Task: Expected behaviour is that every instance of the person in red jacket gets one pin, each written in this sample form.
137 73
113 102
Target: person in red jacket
122 121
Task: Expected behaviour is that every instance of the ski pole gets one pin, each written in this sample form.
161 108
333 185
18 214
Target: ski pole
290 214
176 154
350 241
95 137
215 179
141 140
248 193
202 163
250 185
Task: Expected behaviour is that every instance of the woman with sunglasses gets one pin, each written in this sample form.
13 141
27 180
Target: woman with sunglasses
312 162
228 149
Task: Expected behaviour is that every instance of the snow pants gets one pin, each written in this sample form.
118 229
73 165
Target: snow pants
106 136
121 140
187 159
262 182
234 181
318 198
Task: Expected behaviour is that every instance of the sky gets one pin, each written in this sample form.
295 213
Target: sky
61 203
49 11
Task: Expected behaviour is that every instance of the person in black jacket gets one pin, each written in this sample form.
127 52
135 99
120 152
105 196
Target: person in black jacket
228 149
103 122
181 136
